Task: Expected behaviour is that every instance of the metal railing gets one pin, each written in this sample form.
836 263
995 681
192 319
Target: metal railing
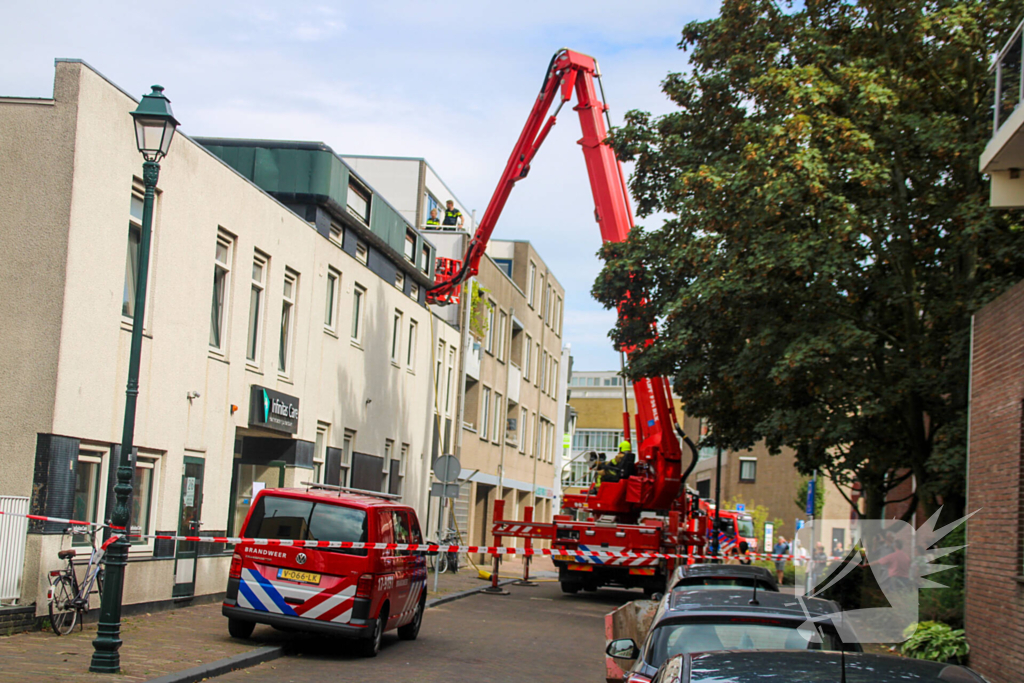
13 536
1009 86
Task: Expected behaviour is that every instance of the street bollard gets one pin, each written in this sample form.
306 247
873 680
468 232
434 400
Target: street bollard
528 545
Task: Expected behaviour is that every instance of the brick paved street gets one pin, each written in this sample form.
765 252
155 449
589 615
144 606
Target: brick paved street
534 634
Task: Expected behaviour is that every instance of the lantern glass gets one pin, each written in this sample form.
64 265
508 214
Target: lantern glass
153 136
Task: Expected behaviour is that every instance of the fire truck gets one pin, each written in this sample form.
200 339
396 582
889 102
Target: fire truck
649 509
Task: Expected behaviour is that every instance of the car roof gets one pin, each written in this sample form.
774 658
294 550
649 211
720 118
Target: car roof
743 666
727 570
356 500
684 602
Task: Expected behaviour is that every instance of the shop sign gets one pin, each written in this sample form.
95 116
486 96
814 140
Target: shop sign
273 410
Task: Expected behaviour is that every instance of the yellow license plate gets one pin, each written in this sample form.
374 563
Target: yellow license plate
581 567
642 571
564 558
301 577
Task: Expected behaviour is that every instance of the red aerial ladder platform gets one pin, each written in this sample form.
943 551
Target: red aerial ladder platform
655 483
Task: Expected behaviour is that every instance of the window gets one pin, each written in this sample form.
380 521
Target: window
331 304
505 264
362 253
358 295
536 355
131 267
485 411
527 351
502 322
346 455
320 451
221 271
336 234
358 201
600 440
410 351
259 275
431 203
425 259
499 411
523 415
414 291
531 282
489 338
291 283
557 322
542 372
396 337
410 246
554 376
389 449
540 293
748 469
450 388
400 281
398 471
87 490
142 497
438 370
548 306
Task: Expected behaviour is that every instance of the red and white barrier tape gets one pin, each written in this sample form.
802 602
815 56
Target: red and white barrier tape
421 547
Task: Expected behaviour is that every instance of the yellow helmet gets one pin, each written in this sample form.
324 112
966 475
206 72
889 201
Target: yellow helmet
624 446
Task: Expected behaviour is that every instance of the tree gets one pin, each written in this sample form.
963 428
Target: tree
800 500
829 234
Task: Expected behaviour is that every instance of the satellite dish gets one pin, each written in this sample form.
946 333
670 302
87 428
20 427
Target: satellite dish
447 469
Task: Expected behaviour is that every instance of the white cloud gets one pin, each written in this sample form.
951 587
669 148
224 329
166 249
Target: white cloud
452 82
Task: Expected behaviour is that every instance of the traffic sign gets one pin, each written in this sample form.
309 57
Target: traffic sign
447 469
741 507
799 524
810 497
439 490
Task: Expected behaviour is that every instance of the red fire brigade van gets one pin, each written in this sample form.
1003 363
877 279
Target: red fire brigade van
355 593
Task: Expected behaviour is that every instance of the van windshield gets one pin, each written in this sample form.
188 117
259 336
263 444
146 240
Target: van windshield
306 520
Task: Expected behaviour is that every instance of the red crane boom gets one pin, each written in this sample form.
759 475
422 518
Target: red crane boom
655 481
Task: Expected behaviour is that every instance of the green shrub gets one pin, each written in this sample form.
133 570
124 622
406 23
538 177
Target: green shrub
935 641
947 604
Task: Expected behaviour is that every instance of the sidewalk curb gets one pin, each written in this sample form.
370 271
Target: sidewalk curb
222 666
451 597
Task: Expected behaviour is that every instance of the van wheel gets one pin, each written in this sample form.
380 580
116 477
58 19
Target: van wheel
371 646
240 629
412 629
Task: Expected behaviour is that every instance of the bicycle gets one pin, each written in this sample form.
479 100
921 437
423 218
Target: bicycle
67 598
443 561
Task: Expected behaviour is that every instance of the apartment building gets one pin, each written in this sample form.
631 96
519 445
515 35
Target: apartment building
277 276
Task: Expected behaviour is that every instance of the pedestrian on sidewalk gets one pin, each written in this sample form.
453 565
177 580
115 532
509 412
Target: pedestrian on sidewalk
781 547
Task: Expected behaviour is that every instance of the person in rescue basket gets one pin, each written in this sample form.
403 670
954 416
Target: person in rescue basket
452 216
433 218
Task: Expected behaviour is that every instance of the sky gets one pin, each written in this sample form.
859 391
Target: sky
451 82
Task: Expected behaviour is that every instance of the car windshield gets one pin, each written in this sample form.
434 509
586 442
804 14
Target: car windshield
306 520
698 582
732 633
745 526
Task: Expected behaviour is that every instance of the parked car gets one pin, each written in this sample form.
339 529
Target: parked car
355 593
756 667
690 621
696 576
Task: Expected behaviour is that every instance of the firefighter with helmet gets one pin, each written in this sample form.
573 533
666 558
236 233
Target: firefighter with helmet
618 467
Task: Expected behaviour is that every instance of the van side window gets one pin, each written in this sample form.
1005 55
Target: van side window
414 529
386 525
401 523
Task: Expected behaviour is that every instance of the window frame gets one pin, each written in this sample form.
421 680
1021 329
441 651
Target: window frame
331 301
499 412
389 449
135 225
358 306
347 446
336 233
527 356
502 324
524 415
289 307
531 285
410 246
359 190
400 280
489 337
227 241
320 446
485 411
449 381
254 328
396 338
362 252
144 461
747 462
92 456
410 351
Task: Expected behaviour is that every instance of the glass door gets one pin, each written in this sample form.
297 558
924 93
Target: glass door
187 552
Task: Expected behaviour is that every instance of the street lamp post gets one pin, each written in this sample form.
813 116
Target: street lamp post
154 128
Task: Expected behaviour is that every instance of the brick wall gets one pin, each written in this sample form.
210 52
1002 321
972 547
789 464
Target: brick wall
994 613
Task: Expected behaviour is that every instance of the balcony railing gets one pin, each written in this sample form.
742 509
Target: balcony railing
1009 90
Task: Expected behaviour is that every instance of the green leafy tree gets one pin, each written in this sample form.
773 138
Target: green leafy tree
819 496
829 234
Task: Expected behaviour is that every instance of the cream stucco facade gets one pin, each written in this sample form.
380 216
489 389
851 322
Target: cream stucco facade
68 172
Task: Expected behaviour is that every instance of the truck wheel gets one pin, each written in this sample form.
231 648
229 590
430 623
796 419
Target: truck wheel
240 629
570 588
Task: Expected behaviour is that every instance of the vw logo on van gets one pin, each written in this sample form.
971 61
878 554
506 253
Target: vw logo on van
300 558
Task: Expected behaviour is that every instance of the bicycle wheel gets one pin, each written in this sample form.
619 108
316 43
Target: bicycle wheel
63 614
441 563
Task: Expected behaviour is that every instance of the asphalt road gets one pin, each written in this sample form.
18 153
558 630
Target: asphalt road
534 634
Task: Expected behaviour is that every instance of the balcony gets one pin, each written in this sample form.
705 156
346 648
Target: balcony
1003 157
515 379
